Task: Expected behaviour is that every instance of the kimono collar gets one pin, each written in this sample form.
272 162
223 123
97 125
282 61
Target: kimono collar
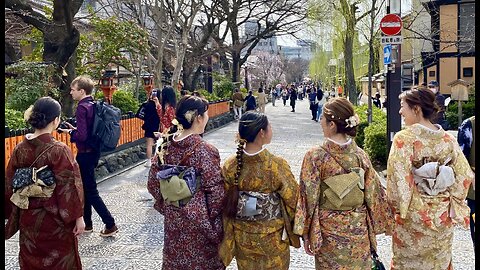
350 146
191 139
256 153
261 155
425 132
39 140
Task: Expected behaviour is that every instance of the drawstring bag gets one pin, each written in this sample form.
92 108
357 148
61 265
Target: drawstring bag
30 175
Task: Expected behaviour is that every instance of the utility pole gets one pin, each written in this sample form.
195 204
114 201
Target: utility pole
394 81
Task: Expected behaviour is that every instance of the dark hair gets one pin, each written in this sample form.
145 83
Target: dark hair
44 111
168 97
248 128
190 103
183 92
85 83
260 90
338 110
424 98
250 93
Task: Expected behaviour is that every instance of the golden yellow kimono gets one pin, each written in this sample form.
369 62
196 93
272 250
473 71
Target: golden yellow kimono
257 244
423 233
340 239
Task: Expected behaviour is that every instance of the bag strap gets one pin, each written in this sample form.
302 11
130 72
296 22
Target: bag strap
187 155
46 149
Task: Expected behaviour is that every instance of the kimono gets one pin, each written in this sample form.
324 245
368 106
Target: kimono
193 232
166 117
46 227
423 234
258 244
340 239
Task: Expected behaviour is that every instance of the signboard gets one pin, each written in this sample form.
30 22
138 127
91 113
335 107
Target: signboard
387 54
391 40
391 24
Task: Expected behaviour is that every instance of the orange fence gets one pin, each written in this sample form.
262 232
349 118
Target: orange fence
131 131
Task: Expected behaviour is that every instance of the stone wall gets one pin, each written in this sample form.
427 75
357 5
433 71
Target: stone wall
134 153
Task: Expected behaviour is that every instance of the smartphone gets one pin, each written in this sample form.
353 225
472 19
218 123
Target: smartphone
154 94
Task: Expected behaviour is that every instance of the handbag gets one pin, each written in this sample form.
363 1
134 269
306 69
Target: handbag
141 111
30 175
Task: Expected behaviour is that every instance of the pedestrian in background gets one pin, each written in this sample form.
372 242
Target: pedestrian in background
166 111
440 101
273 92
466 140
237 99
427 183
312 98
376 101
322 99
151 122
342 204
253 176
262 100
293 98
192 231
49 223
285 95
250 103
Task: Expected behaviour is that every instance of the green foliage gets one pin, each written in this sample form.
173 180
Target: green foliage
378 116
14 119
222 86
123 100
376 142
468 110
32 82
35 39
210 97
244 90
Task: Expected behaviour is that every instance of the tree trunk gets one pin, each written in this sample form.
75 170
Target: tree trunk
235 67
349 70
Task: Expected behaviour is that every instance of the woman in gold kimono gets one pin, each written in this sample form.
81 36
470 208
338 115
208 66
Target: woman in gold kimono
342 205
261 201
427 183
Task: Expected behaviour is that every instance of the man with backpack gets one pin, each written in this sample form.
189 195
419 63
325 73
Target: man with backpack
89 146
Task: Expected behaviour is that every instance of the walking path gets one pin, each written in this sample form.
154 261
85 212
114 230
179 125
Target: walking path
138 245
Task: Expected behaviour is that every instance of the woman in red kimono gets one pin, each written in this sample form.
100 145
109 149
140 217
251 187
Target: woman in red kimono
49 226
193 231
166 111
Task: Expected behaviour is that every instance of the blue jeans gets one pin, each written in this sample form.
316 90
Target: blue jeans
87 163
319 111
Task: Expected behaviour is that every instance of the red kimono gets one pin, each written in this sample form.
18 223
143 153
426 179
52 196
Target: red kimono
166 117
193 232
46 227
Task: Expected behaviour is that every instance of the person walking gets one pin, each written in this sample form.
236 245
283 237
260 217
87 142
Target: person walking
466 140
262 100
312 98
293 98
151 123
427 183
193 226
273 92
322 99
255 176
237 99
166 111
49 222
250 103
440 101
285 95
342 204
87 155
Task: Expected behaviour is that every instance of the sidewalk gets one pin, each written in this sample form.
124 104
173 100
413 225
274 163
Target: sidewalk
138 245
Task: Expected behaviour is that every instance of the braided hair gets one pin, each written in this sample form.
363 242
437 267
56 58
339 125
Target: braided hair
248 128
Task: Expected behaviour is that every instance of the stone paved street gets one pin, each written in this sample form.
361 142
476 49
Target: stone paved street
138 245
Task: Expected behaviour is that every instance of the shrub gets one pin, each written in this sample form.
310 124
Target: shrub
123 100
376 142
451 115
14 119
378 116
211 97
222 86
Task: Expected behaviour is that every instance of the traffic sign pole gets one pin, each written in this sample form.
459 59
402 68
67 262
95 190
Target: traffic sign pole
393 86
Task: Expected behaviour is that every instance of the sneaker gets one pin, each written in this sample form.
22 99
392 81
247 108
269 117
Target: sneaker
109 232
88 229
148 163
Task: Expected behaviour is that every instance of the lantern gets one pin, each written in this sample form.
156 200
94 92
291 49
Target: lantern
107 86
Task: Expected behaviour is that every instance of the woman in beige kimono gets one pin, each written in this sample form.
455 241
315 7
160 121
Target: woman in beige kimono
260 201
427 183
342 205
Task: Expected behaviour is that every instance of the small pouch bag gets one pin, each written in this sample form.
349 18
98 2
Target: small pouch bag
27 176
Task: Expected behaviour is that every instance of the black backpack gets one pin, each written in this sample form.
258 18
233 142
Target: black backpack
106 126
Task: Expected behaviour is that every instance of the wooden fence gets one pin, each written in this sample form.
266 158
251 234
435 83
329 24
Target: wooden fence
131 130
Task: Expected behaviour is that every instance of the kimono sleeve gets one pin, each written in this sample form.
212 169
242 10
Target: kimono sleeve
69 187
212 179
458 191
309 190
8 205
400 181
153 186
289 187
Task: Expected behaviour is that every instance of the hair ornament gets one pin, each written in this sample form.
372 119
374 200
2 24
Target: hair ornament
28 113
189 115
352 121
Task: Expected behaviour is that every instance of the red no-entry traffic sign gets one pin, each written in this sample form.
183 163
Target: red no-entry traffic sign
391 24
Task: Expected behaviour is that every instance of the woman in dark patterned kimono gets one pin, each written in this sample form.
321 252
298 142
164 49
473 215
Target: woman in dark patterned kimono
339 230
192 231
48 225
255 239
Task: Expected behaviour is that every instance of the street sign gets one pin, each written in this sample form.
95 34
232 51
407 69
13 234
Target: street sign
391 24
387 54
391 40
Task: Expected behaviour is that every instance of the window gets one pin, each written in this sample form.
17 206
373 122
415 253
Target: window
468 72
466 27
431 73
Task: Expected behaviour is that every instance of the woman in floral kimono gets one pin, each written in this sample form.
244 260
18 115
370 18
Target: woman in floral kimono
166 110
427 183
261 198
339 230
194 230
49 221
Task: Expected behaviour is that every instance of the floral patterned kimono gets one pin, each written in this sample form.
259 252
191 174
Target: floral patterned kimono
258 244
46 227
193 232
423 234
340 239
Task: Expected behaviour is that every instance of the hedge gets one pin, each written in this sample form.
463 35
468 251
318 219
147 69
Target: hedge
376 142
378 116
123 100
14 119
